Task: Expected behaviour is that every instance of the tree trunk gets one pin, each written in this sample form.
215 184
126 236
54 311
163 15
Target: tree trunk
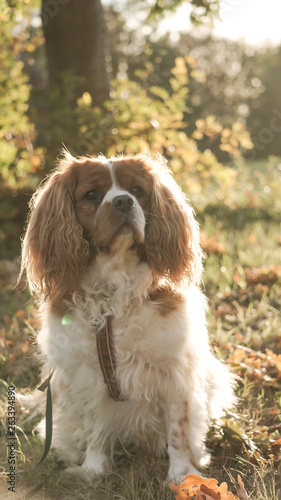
75 42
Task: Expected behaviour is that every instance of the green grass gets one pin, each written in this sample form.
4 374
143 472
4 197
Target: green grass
243 311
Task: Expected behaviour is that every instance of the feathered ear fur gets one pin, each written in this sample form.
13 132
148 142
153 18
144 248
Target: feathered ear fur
172 240
54 250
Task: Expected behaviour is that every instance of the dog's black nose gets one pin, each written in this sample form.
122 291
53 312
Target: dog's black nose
123 203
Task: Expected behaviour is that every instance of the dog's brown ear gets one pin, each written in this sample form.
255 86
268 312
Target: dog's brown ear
54 250
172 235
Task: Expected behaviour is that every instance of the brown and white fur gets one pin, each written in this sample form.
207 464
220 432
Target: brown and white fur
117 237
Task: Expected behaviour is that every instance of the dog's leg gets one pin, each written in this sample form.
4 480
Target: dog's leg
96 463
183 441
64 440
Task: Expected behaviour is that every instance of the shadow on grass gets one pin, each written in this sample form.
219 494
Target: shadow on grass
238 218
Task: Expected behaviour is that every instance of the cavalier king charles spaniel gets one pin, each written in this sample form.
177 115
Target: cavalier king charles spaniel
117 239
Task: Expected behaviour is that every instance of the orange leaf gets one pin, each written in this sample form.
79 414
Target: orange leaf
20 314
205 488
277 360
193 480
237 357
241 493
223 488
209 491
212 244
24 346
277 442
263 275
9 343
252 238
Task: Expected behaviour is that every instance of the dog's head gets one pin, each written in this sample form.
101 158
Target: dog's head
92 205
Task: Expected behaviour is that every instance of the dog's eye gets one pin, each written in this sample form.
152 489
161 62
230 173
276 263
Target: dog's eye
138 192
93 195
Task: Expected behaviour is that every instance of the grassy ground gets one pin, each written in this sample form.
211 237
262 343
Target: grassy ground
242 243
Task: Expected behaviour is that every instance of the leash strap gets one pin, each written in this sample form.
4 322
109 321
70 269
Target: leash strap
49 416
107 359
48 430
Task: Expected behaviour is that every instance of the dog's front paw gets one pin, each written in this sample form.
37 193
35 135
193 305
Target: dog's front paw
95 464
177 473
70 457
77 472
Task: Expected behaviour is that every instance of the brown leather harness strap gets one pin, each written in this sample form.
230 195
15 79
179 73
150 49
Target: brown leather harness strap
107 359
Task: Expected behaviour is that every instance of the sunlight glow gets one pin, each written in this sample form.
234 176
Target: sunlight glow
254 21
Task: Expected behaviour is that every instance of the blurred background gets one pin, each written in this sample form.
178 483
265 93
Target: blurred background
198 81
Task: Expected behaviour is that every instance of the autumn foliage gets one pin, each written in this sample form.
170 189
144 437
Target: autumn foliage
195 487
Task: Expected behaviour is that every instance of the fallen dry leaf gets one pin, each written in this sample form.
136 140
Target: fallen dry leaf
259 367
277 442
193 486
211 244
254 457
263 274
237 357
252 238
242 493
277 360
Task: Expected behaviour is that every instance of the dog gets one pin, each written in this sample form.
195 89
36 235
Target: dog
114 242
